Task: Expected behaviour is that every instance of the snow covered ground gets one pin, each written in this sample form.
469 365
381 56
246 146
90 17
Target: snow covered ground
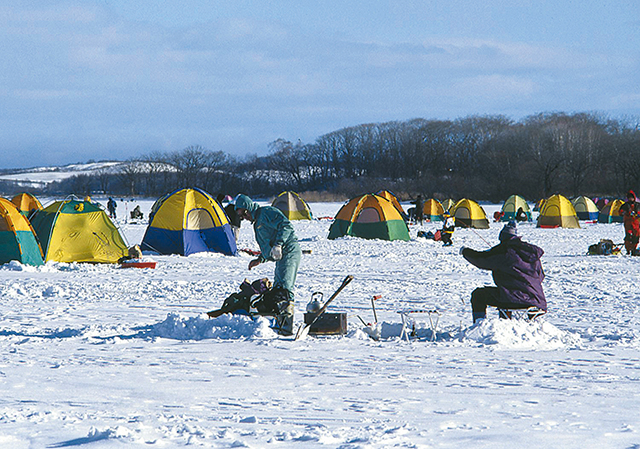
96 356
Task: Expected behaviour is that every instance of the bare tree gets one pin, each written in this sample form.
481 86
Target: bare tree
190 163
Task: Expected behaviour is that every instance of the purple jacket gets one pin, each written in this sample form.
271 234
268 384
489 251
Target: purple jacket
516 270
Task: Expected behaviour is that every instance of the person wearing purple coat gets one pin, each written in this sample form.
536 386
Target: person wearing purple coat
516 270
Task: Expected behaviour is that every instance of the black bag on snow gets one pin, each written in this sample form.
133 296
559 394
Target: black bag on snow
603 248
242 299
273 302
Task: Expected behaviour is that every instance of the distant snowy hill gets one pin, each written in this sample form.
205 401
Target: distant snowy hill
39 177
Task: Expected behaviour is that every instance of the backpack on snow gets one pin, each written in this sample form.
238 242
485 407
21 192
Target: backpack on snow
603 248
242 300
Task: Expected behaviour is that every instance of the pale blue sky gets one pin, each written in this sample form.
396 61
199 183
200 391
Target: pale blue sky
105 79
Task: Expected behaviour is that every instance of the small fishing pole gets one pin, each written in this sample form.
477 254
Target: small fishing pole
476 233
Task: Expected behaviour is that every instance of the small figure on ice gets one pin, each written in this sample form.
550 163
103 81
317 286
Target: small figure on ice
419 210
630 211
136 213
111 207
278 243
517 272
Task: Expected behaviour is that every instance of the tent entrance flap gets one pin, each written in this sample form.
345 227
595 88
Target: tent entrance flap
199 219
369 215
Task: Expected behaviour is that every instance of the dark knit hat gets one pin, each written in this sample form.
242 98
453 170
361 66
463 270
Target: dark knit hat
509 231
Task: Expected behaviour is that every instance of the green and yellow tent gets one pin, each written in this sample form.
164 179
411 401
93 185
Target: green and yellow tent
448 204
469 214
511 207
611 212
78 231
433 210
17 239
558 212
371 217
292 206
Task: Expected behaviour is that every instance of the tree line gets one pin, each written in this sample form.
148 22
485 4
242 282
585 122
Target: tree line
479 157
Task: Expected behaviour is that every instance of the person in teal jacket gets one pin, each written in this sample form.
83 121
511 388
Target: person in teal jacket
278 242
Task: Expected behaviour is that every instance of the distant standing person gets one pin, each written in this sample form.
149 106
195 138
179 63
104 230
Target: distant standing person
629 212
234 219
278 243
517 272
419 214
111 206
230 211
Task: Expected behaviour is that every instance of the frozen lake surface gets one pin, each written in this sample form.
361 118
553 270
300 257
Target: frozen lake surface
96 356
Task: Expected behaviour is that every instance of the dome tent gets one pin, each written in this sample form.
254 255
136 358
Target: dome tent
371 217
558 212
470 214
394 200
78 231
17 238
611 212
585 208
448 204
433 210
292 206
26 203
511 207
188 221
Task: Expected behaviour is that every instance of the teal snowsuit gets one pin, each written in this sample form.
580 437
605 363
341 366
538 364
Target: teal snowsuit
272 228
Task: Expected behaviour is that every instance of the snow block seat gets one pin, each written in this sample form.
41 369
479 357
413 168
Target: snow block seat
527 314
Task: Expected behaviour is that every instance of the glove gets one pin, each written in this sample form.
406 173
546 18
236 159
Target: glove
276 252
462 249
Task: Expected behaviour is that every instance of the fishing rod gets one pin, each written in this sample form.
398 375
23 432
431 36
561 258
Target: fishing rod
475 232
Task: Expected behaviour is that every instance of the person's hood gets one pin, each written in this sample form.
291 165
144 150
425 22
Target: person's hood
244 202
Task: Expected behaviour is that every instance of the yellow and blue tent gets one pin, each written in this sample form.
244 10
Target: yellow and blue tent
188 221
611 212
433 210
585 208
558 212
370 217
78 231
469 214
511 207
292 206
17 239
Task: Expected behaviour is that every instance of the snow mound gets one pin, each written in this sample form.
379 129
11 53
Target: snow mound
96 435
225 327
14 265
520 334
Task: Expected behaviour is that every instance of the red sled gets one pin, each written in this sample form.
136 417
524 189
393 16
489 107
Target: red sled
137 264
